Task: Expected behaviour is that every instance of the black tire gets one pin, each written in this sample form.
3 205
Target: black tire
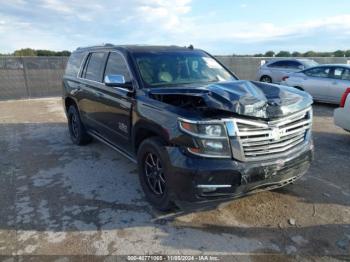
77 131
153 175
266 79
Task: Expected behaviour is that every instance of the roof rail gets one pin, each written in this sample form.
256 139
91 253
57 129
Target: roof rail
102 45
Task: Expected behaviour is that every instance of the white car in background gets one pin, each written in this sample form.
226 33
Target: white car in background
273 71
342 114
326 83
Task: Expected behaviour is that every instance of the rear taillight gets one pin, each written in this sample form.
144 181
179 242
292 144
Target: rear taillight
285 78
343 98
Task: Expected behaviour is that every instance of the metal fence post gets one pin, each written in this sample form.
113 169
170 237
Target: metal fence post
25 74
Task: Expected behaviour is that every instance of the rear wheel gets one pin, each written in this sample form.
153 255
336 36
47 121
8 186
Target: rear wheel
77 131
152 170
266 79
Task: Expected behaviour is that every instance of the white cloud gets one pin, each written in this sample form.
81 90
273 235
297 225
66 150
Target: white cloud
60 24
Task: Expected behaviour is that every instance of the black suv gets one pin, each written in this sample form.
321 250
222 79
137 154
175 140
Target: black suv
198 134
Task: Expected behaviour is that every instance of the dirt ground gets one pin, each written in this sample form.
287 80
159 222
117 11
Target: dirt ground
61 199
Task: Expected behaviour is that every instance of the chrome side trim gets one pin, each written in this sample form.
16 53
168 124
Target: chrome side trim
214 186
104 141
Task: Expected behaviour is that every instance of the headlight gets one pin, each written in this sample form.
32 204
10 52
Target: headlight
210 138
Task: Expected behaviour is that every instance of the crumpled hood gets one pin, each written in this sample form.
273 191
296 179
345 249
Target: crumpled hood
248 98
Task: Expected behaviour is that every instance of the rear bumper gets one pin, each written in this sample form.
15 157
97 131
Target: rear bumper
206 182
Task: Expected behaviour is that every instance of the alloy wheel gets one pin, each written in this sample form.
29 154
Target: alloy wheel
74 125
154 174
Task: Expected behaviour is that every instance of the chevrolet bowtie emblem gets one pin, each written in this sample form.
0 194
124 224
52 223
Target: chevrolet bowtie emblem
276 133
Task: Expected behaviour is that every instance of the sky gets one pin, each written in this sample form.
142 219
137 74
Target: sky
218 26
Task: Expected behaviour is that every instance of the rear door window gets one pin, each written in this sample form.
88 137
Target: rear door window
293 64
346 74
95 66
279 64
338 72
318 72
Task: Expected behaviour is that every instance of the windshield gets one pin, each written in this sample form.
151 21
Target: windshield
176 68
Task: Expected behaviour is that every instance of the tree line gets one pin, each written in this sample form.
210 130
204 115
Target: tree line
39 52
338 53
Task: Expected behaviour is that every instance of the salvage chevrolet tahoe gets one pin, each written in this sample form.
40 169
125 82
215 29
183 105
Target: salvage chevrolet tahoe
198 134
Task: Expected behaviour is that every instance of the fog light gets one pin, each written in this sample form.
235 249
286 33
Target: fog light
216 145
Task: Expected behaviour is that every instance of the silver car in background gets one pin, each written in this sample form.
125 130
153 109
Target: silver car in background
326 83
273 71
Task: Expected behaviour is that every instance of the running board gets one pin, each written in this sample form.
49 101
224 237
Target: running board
104 141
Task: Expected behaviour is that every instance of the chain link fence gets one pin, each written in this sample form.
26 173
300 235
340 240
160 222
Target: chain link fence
33 77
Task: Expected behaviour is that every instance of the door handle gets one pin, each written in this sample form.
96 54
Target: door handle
75 90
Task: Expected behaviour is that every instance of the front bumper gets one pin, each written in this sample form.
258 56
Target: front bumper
201 182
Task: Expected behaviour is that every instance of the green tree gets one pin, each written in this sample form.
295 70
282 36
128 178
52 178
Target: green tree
283 54
25 52
310 54
270 54
45 53
339 53
63 53
347 53
296 54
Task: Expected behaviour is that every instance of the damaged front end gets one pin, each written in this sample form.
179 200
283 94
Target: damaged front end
247 121
245 137
245 98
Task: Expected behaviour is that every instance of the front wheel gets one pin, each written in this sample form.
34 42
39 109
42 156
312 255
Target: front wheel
152 170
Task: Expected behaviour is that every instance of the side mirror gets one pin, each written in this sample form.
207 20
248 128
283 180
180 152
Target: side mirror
301 67
117 81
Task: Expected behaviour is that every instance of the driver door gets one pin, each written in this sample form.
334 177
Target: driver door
115 103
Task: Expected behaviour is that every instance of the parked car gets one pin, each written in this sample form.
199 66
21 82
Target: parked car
326 83
199 135
342 114
273 71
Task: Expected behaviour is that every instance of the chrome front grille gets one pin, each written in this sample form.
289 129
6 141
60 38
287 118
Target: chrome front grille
259 140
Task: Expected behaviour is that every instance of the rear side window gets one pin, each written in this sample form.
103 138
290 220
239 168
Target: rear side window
346 74
338 72
278 64
74 64
293 64
285 64
318 72
95 66
116 65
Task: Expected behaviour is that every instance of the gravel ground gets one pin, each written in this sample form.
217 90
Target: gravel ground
61 199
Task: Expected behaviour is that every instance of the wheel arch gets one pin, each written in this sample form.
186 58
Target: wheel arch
69 101
265 75
144 130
